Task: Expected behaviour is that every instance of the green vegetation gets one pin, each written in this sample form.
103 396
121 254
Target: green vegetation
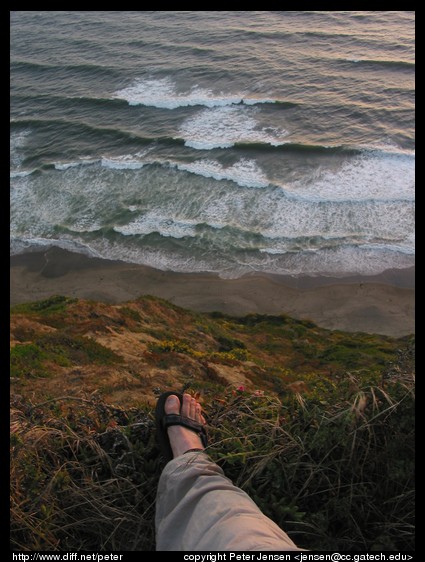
320 433
131 313
66 349
26 360
32 359
336 477
51 305
336 474
227 353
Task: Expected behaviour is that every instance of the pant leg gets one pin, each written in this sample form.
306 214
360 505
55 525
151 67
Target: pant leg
199 508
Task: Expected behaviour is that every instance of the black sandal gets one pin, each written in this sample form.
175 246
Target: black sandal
163 421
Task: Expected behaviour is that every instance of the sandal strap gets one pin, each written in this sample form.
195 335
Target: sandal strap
176 419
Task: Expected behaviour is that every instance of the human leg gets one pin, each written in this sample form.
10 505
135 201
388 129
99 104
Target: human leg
198 507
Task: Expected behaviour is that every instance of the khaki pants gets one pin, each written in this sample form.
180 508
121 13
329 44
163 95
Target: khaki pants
198 508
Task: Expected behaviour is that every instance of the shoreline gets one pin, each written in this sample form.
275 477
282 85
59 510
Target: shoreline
383 303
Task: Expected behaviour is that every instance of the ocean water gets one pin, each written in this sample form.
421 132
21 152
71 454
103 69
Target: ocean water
229 142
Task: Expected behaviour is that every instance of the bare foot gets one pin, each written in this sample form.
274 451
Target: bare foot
181 438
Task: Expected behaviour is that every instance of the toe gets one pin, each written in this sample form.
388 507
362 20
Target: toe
198 416
172 405
193 408
186 406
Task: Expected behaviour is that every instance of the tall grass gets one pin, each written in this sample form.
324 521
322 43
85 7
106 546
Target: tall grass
332 466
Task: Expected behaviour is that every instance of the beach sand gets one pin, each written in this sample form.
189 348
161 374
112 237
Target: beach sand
383 304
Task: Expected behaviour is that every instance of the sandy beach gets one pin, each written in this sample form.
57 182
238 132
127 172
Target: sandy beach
383 304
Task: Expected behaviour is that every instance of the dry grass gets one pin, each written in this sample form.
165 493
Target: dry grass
84 473
325 447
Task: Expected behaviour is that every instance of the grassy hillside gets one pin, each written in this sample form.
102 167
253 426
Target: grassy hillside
316 425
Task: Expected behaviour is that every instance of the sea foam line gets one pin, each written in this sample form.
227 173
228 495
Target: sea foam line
245 172
21 173
19 245
370 176
162 93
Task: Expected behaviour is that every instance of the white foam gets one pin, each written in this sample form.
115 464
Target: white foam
347 220
66 165
83 161
17 143
151 222
162 93
21 174
256 101
154 257
223 127
273 251
386 148
338 262
126 162
85 224
245 172
120 162
227 229
374 175
24 245
397 248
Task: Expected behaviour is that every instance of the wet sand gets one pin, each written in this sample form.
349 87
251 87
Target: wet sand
383 304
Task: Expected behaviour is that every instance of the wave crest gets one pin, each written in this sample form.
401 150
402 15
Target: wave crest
163 93
223 127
